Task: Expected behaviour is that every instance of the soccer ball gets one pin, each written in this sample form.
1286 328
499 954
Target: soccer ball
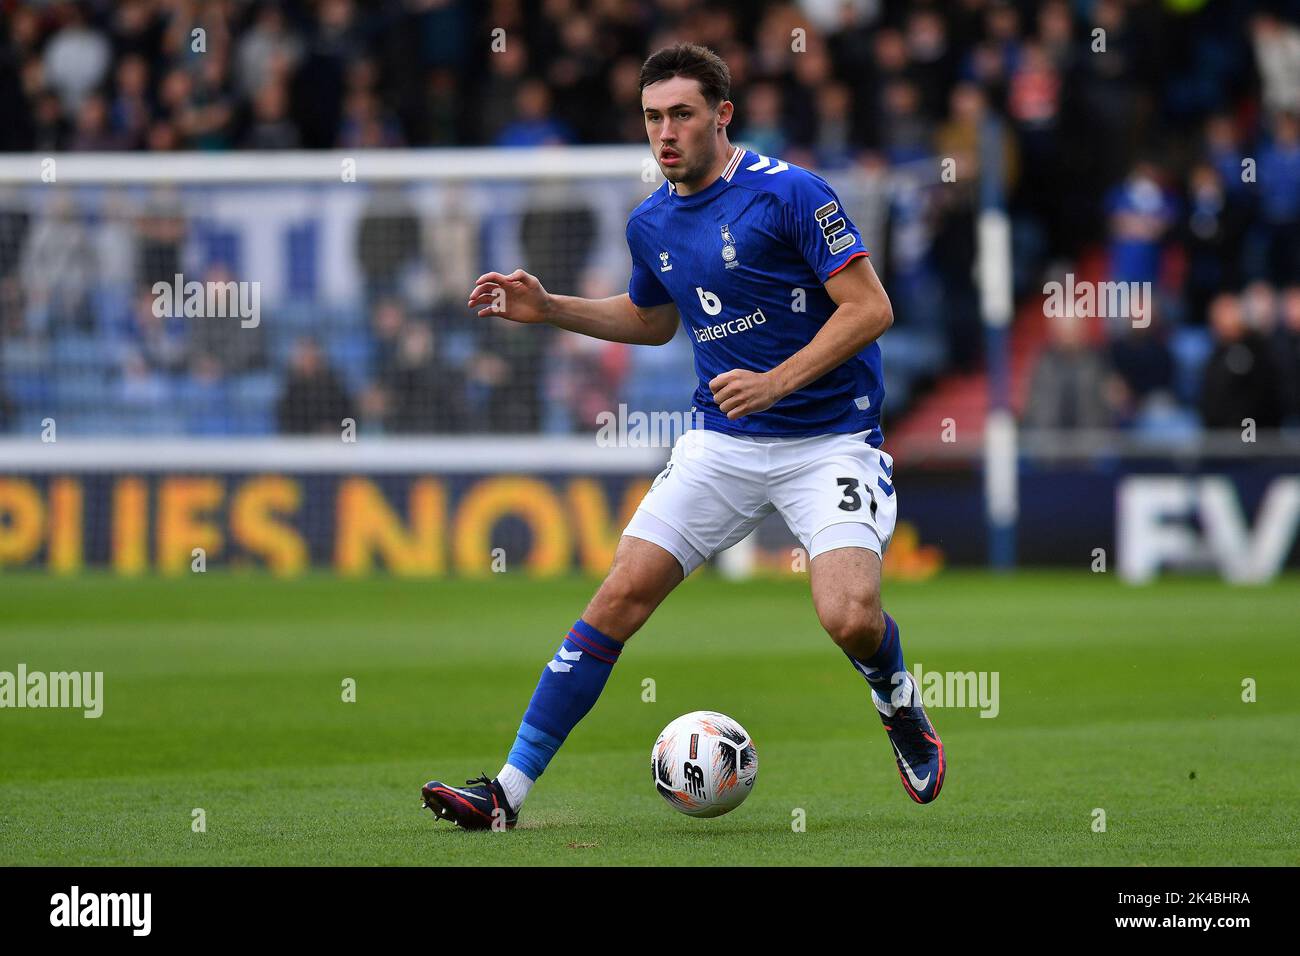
704 764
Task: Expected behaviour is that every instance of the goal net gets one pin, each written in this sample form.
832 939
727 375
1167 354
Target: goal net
268 358
257 295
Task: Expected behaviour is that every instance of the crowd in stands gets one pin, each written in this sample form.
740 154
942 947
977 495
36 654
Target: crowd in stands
1145 142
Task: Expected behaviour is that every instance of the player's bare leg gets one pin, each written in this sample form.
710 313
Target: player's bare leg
846 595
641 576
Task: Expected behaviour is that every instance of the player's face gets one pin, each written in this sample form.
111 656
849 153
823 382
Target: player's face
682 129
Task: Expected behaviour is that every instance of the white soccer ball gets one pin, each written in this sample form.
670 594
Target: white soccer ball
704 764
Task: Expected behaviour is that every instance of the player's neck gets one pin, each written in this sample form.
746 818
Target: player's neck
709 178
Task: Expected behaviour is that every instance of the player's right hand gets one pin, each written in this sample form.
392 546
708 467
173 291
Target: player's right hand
517 296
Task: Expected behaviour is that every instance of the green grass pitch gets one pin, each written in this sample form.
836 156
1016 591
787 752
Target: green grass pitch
223 692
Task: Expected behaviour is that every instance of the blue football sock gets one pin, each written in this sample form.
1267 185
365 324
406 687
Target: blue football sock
880 669
569 686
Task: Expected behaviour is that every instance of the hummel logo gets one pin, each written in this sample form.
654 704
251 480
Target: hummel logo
917 783
560 667
764 162
664 264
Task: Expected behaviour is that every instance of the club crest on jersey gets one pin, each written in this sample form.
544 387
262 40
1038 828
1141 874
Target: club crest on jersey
729 248
664 264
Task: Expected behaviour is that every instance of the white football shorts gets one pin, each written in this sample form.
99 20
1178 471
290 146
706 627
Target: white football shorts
834 491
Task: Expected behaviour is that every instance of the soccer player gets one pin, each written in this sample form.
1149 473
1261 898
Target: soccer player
757 258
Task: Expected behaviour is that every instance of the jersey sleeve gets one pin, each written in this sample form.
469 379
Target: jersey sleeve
818 226
644 287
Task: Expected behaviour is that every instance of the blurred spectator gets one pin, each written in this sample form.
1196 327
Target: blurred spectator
232 345
888 61
906 135
1144 370
1056 34
585 376
268 52
575 78
49 126
760 123
388 240
439 121
1108 89
77 58
15 223
1241 379
933 62
1034 103
835 141
320 79
314 400
956 206
386 324
500 90
365 126
197 105
1223 151
1212 231
137 27
534 124
419 393
139 387
1279 190
160 233
145 339
58 269
92 132
1289 351
130 109
557 233
204 397
271 127
811 72
504 377
1140 216
1069 388
1259 306
1277 54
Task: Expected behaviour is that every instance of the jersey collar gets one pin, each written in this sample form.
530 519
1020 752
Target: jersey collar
719 184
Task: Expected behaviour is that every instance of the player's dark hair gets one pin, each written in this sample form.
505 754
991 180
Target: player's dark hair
694 62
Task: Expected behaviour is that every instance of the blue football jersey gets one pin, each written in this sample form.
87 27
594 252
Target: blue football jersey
745 260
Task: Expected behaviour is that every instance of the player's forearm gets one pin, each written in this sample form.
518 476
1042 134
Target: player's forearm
614 319
849 330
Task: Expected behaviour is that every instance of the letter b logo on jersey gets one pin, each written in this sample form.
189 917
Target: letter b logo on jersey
709 302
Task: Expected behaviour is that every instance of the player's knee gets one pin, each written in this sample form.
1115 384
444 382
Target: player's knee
856 627
623 604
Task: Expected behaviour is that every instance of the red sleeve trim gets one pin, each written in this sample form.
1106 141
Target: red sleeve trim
846 262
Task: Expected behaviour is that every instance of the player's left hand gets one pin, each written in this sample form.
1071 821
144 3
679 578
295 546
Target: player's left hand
740 392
